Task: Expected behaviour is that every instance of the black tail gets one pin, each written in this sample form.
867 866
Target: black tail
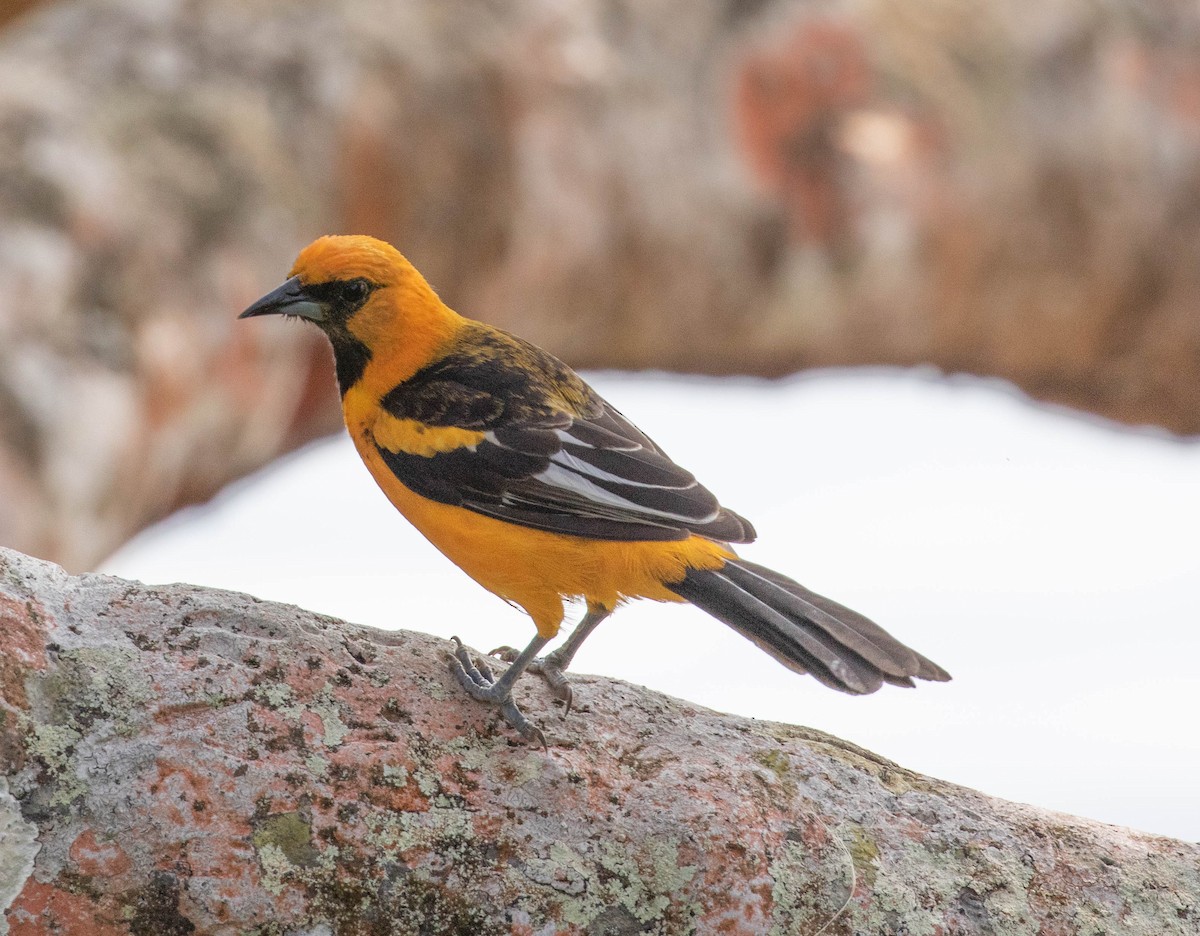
805 631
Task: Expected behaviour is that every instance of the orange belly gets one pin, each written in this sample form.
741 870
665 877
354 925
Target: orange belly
537 569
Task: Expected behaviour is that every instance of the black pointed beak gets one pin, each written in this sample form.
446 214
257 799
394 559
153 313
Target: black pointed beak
288 299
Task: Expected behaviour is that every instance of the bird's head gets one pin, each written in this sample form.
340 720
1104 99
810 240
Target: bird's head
367 298
336 278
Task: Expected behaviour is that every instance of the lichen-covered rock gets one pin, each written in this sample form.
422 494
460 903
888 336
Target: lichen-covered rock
178 760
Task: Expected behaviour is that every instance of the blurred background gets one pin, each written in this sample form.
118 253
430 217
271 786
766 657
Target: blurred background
972 229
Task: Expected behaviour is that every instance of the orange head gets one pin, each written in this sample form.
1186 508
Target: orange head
368 299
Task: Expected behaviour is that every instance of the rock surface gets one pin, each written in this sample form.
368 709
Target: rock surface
787 183
177 760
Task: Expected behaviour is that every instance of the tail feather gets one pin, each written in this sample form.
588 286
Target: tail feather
871 643
914 664
795 646
805 631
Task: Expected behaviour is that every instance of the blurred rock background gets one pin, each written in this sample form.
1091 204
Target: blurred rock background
746 186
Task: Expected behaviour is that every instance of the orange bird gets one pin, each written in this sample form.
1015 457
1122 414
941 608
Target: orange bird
537 488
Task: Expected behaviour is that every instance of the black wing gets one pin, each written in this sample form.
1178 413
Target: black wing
555 456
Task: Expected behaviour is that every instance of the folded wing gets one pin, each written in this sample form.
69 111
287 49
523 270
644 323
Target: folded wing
587 473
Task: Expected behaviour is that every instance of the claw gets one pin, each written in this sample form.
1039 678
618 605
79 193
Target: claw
548 667
477 679
463 666
515 717
556 679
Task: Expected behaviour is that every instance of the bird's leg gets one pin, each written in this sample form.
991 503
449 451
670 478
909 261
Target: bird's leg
479 682
552 667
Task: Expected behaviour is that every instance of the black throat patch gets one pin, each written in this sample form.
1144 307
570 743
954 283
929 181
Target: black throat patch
350 357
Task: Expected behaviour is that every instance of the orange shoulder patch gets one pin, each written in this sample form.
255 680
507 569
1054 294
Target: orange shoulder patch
416 438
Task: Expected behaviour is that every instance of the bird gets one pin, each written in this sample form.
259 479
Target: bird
542 491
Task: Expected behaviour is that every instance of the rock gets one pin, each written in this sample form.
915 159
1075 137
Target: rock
178 760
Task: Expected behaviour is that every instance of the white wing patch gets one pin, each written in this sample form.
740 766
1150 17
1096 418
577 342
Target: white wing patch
558 476
566 435
567 460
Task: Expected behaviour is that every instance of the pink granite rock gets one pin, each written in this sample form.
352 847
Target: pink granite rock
178 760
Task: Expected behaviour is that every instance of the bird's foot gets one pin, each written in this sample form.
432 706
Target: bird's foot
550 668
481 684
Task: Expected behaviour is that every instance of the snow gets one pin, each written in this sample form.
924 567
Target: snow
1048 561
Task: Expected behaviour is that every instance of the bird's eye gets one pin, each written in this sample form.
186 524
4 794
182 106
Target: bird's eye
354 291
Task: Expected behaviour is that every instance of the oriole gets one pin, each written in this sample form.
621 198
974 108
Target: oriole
540 490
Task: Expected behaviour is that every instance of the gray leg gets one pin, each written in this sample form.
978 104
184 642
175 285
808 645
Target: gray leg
552 667
479 682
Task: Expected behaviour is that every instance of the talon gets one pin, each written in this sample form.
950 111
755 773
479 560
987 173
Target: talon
477 679
466 671
515 717
551 670
462 654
